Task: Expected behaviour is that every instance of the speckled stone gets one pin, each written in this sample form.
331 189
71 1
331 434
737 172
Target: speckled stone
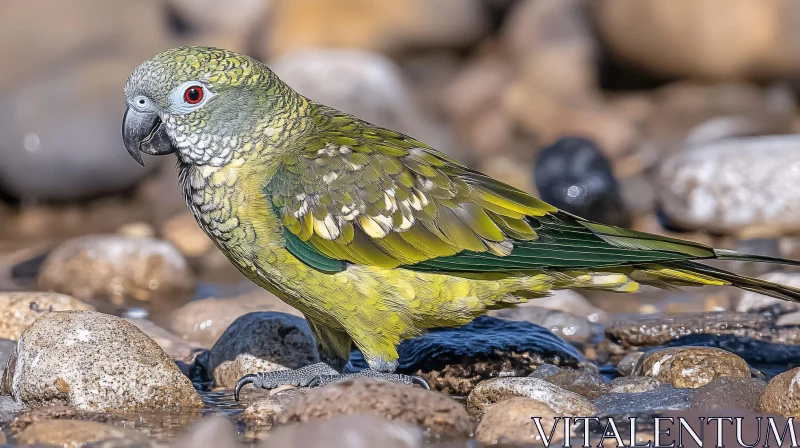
117 268
634 384
509 422
95 362
261 342
349 431
262 411
692 367
78 433
562 401
705 188
438 414
19 309
782 395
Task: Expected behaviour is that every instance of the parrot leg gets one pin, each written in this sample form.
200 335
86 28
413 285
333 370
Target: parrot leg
316 375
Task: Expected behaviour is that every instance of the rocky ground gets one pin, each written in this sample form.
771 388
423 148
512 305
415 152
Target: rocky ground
121 325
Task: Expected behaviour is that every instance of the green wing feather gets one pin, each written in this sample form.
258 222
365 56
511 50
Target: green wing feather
366 195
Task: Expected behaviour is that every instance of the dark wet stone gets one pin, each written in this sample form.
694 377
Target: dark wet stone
456 359
575 176
663 398
657 330
261 341
6 347
590 385
729 393
9 409
628 364
544 371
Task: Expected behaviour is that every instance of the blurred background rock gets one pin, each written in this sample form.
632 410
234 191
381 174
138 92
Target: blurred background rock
654 113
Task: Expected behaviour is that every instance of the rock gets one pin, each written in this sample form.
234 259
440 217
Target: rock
261 342
238 18
63 114
635 384
183 232
473 100
169 342
95 362
791 319
782 351
563 402
367 85
755 302
748 195
454 360
439 415
77 433
544 371
392 25
509 422
781 396
587 384
569 301
628 364
203 321
19 309
692 367
555 52
61 32
729 393
346 432
118 269
686 38
214 430
9 409
693 113
575 176
663 398
572 328
650 331
262 408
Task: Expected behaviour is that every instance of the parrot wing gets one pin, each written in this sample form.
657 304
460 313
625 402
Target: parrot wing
366 195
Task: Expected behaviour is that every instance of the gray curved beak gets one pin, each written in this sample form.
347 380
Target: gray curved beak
143 132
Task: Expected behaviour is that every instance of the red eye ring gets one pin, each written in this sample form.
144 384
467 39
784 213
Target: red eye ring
193 94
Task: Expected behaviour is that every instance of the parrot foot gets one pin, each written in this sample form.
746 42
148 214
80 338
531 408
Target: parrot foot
317 375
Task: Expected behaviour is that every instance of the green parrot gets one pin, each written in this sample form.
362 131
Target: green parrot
374 236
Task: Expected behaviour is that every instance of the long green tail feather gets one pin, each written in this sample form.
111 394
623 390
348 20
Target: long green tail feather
740 281
723 254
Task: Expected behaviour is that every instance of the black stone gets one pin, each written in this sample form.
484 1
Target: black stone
574 175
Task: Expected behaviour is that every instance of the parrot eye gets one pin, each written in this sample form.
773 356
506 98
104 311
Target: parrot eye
193 94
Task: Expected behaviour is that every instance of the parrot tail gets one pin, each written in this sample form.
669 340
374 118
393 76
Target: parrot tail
771 289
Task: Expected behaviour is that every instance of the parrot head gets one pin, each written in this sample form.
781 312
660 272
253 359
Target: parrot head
197 102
